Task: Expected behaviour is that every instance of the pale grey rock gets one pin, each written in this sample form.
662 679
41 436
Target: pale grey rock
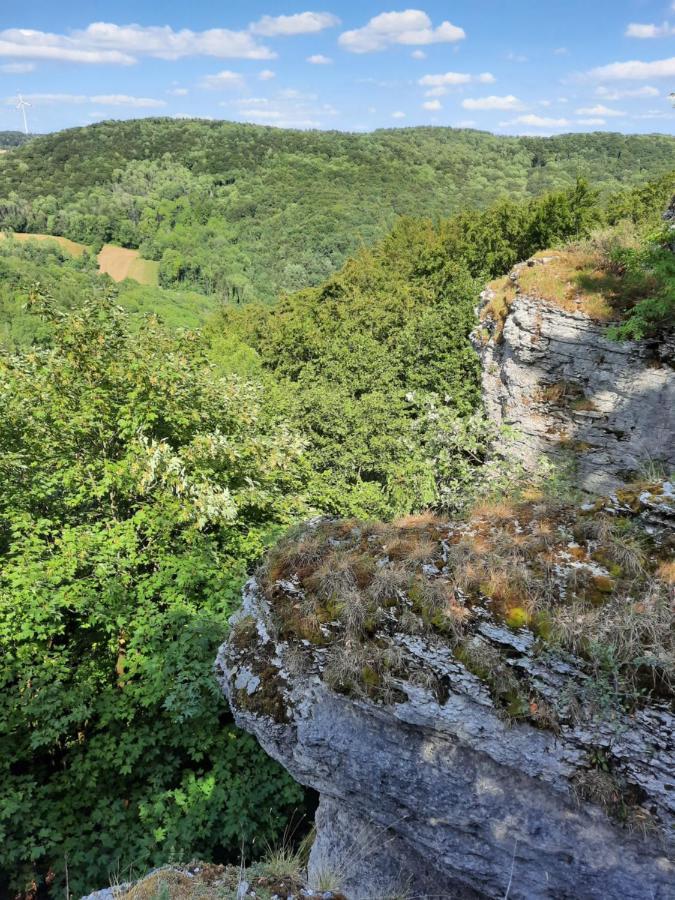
617 409
440 796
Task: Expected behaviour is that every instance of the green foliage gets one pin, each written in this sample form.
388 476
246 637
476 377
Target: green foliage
246 211
25 264
649 269
11 139
144 468
137 485
376 367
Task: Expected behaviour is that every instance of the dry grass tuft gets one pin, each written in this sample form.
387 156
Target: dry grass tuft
588 582
583 279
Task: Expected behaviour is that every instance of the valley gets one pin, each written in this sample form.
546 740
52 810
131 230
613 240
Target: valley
342 463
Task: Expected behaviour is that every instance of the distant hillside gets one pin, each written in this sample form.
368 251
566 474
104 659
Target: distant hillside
247 211
10 139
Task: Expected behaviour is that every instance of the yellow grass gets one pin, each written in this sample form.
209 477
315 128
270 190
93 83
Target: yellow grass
575 281
66 244
120 263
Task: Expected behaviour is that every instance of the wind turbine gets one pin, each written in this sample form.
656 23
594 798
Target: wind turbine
22 104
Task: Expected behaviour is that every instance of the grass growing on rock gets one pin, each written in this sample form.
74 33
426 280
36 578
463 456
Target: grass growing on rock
586 580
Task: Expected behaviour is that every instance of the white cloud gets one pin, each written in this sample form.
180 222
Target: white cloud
107 43
599 110
278 118
654 114
267 75
466 123
293 94
611 94
541 121
591 121
508 102
636 30
635 70
178 92
17 68
398 115
287 109
438 85
126 100
516 57
99 99
432 105
411 27
222 80
318 59
300 23
561 51
418 54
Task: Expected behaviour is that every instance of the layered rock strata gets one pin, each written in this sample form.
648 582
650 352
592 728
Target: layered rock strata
565 388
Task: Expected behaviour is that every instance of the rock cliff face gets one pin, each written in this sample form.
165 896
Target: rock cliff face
485 708
553 375
453 758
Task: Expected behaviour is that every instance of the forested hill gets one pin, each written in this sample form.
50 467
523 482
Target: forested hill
230 208
10 139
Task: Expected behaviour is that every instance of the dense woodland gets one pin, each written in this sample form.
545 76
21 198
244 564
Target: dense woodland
11 139
154 441
249 211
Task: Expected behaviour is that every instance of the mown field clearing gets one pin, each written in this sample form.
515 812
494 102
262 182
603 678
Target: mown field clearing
121 263
118 262
69 246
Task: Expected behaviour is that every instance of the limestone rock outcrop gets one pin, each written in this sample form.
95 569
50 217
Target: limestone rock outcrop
565 388
438 778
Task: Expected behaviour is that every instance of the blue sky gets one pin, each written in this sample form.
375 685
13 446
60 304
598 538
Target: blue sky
508 66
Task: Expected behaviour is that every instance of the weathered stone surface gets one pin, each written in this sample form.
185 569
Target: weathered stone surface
555 378
440 795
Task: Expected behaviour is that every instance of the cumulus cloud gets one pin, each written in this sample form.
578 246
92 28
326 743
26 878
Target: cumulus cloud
107 43
636 30
599 110
541 121
635 70
178 92
99 99
267 75
300 23
222 80
398 115
411 27
432 105
508 102
438 85
418 54
591 121
318 59
618 94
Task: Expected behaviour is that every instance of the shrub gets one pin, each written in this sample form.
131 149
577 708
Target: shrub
136 487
